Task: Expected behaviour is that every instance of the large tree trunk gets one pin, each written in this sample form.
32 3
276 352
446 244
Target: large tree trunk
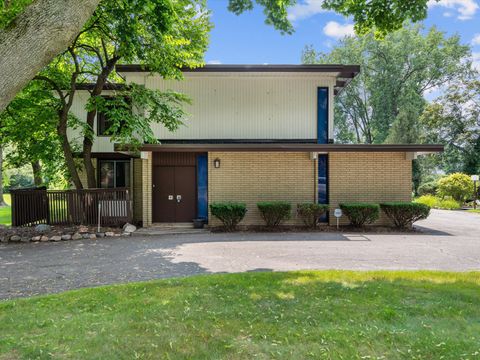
2 203
87 141
37 173
42 31
67 151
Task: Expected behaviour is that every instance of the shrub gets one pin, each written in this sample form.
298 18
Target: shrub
404 214
459 186
429 188
311 213
229 213
448 204
274 212
429 200
361 214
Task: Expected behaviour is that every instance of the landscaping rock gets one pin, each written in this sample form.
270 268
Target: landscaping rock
42 228
36 238
92 236
56 238
117 235
44 238
109 234
15 238
83 229
76 236
100 234
3 239
129 228
66 237
86 236
125 233
25 239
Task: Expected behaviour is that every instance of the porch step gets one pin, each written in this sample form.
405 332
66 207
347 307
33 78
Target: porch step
169 229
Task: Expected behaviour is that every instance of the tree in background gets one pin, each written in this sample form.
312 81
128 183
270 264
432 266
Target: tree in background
454 120
383 103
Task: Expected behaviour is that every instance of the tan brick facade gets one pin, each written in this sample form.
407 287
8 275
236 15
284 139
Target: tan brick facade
369 177
147 189
137 190
251 177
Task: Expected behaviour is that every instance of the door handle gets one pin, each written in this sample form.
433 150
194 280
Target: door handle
170 197
179 198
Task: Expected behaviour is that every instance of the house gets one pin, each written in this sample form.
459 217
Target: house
254 133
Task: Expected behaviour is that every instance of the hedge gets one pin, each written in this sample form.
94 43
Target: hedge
404 214
229 213
274 212
311 213
361 214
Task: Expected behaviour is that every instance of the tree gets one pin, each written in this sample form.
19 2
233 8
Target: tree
383 102
453 119
32 33
459 186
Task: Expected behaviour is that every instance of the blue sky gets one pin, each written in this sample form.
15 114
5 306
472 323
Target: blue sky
245 39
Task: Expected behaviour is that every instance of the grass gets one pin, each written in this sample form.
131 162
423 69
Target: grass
5 211
474 211
294 315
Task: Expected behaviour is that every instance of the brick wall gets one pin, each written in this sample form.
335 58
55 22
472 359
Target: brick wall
251 177
137 190
369 177
147 190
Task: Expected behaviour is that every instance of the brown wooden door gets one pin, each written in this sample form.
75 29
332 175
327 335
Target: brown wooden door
174 194
185 193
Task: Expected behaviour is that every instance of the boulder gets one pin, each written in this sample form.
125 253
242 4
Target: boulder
83 229
25 239
66 237
76 236
92 236
36 238
15 238
109 233
129 228
86 236
126 233
100 234
44 238
56 238
42 228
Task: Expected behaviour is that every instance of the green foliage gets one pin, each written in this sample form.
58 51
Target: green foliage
310 213
428 188
404 214
274 212
378 15
429 200
458 186
383 103
229 213
448 204
9 9
361 214
201 317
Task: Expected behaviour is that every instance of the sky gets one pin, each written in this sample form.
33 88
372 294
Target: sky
246 39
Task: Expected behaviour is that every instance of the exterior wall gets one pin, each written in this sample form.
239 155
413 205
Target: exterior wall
147 189
246 106
83 175
251 177
138 190
368 177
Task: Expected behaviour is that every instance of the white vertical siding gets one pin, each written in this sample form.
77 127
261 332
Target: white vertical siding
247 107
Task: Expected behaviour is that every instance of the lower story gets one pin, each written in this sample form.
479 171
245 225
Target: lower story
169 187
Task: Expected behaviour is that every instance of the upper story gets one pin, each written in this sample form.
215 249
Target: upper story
244 103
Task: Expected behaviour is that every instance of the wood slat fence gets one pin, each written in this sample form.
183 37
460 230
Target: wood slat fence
71 207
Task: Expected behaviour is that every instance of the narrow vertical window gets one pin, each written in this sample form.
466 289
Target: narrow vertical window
322 115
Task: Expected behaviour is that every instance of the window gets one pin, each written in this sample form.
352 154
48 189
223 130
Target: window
103 122
114 173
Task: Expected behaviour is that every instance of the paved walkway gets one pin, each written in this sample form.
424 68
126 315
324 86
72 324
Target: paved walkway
449 241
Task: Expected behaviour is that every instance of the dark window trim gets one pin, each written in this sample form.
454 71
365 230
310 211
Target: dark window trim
99 177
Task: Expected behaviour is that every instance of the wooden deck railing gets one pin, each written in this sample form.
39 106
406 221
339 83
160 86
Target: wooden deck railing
71 207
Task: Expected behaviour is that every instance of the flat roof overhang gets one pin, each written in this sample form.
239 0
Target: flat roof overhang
289 147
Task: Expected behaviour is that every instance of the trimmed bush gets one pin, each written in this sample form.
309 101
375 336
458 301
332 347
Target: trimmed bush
311 213
448 204
458 186
229 213
429 200
274 212
404 214
361 214
429 188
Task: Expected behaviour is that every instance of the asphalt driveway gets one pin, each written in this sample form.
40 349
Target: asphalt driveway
448 240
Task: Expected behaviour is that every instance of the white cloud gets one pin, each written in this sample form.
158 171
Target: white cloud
338 31
214 62
305 10
476 39
466 8
476 60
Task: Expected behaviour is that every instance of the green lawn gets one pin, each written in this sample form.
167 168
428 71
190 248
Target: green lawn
5 213
474 211
294 315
